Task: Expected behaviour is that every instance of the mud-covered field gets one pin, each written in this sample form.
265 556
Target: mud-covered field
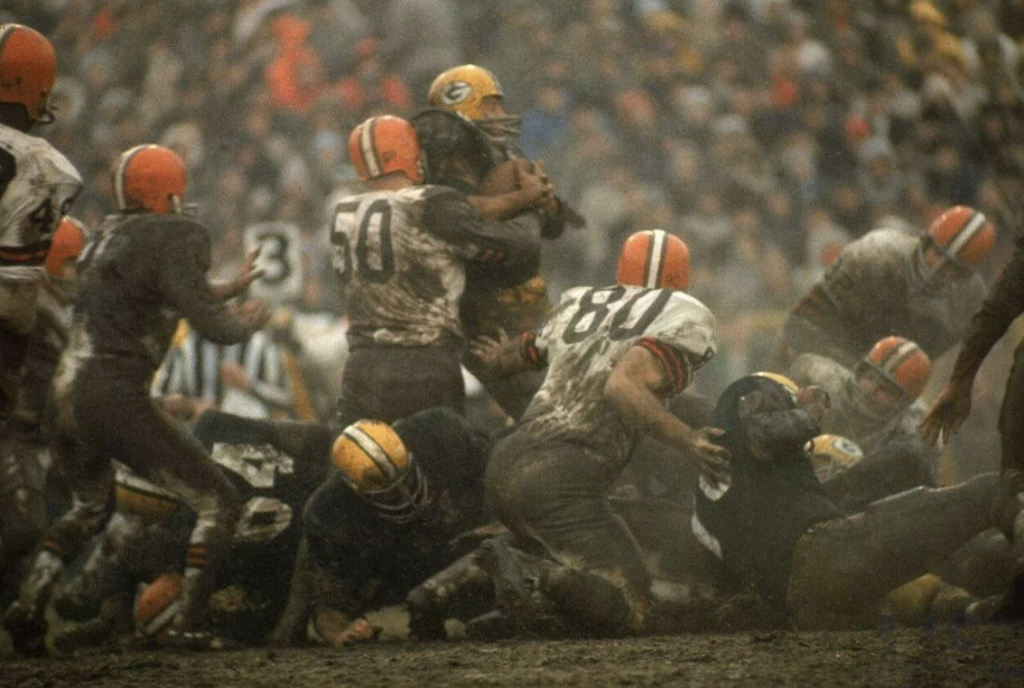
945 656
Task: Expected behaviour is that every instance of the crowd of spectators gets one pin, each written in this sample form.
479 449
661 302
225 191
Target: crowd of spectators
766 133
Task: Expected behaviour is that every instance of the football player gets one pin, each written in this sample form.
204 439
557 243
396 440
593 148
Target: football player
145 269
1002 306
383 520
274 466
889 283
462 150
780 538
400 254
24 450
876 406
613 356
37 186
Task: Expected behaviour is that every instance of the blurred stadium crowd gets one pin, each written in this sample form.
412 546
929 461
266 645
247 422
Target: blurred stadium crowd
765 133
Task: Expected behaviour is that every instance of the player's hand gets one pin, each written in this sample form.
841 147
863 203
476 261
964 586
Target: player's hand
336 630
711 458
946 414
179 406
535 185
247 274
489 349
549 203
233 375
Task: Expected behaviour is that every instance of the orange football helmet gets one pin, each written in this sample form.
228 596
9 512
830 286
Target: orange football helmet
28 68
150 177
654 258
956 243
386 144
68 242
891 376
375 463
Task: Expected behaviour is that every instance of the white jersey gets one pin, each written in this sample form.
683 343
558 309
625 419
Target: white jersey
402 283
37 186
585 338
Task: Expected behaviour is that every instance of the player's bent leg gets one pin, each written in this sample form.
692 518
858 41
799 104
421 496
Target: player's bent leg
844 568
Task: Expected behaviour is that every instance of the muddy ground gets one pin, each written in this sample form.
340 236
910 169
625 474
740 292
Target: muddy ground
944 656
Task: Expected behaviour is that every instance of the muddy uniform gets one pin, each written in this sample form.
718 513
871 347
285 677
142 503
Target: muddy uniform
494 299
137 278
779 536
400 257
37 186
868 294
1004 303
275 466
359 560
24 451
896 457
549 480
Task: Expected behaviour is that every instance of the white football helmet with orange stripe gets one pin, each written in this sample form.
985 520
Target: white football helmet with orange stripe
655 259
375 463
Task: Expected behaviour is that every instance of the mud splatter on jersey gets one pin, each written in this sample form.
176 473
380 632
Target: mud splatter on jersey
586 335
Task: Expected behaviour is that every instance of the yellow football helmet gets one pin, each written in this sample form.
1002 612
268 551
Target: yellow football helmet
833 454
374 462
463 89
791 387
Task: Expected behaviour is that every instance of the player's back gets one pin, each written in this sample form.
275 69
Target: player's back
37 186
402 283
585 338
123 305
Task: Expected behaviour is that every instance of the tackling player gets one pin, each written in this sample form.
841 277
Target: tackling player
889 283
614 355
400 254
145 269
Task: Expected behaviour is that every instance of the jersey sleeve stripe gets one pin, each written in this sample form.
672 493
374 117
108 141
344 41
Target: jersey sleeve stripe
673 364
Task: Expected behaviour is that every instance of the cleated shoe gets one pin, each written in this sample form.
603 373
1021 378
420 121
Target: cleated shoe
27 631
